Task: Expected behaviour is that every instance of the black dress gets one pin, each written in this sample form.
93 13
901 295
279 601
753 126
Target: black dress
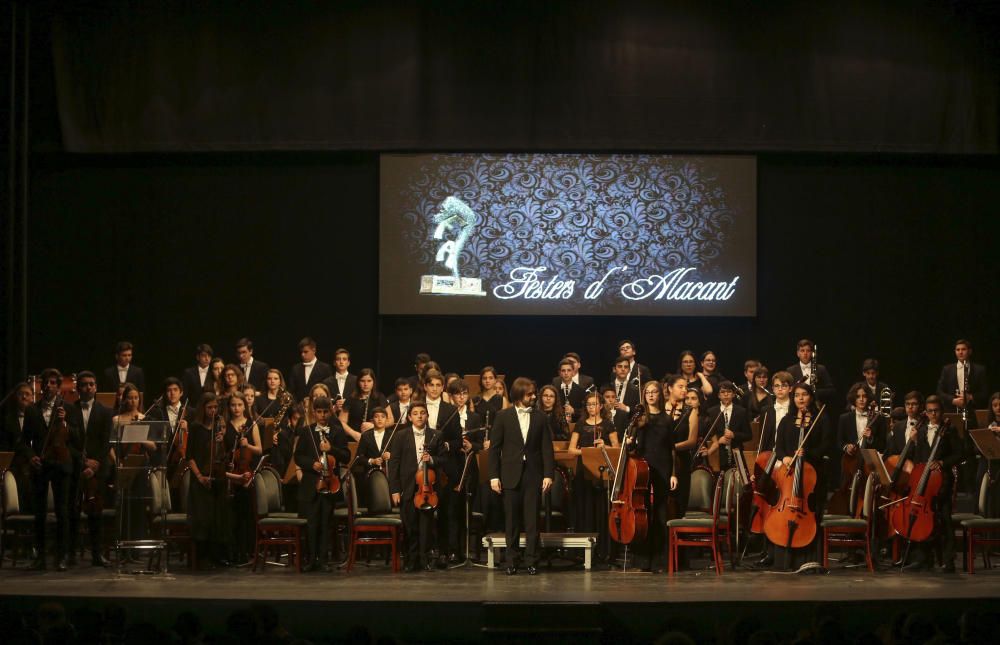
492 405
684 459
211 522
244 530
361 410
589 504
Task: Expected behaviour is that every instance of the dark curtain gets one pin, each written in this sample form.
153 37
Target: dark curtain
159 75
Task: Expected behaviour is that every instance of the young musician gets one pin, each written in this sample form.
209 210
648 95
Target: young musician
171 407
594 430
571 395
123 371
282 453
210 512
949 455
655 443
147 453
356 412
254 371
732 428
989 468
94 421
709 367
196 379
626 392
554 417
860 427
40 420
318 390
491 398
309 372
461 452
417 378
870 380
627 349
416 445
521 468
743 391
802 371
443 417
792 432
913 404
213 383
12 438
781 384
399 408
619 418
374 448
758 397
963 385
232 382
684 426
342 383
582 380
246 450
269 401
324 437
686 367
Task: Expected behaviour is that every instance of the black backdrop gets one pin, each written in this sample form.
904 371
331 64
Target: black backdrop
248 202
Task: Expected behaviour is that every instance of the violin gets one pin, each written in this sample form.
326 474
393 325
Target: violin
242 456
329 481
426 498
792 520
629 517
913 517
56 446
180 442
92 502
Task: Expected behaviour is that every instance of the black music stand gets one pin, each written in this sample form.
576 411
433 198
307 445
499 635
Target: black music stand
128 467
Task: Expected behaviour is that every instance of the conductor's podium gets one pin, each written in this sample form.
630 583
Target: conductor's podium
585 541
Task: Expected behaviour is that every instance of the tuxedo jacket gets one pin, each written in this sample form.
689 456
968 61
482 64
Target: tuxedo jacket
306 451
403 463
896 439
368 448
584 381
394 408
825 390
739 423
979 388
577 396
847 431
515 460
258 375
630 394
193 388
949 454
349 385
11 435
135 376
95 434
641 371
297 383
36 430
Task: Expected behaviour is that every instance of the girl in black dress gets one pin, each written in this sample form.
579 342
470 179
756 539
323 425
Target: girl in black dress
208 499
759 398
269 401
685 423
356 417
554 417
655 443
244 438
491 398
593 431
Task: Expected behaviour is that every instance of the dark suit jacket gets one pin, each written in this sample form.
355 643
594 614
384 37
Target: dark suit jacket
394 408
825 390
135 376
36 431
979 388
403 463
847 431
585 381
258 374
94 436
577 395
369 449
349 385
512 459
193 388
949 454
297 384
896 439
630 393
739 423
305 451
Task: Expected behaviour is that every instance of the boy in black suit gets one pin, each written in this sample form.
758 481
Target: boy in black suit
196 378
326 436
963 384
254 371
341 383
805 349
94 421
309 372
415 445
443 417
626 392
522 464
735 423
123 371
571 395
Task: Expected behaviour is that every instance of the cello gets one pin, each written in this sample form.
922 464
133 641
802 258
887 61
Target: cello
765 494
914 516
792 521
628 519
851 468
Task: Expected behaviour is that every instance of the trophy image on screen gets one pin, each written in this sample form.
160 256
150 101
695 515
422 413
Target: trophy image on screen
457 218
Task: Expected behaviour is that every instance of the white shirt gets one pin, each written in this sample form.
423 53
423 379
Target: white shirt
960 373
861 423
309 368
379 434
123 373
20 420
341 380
619 390
780 410
806 370
246 369
86 407
418 443
463 415
324 432
433 410
931 433
403 409
172 412
727 414
524 420
576 378
202 375
47 408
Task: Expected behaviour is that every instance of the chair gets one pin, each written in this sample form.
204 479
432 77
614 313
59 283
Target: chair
852 532
378 525
696 529
15 525
983 531
273 482
274 527
177 526
558 500
700 496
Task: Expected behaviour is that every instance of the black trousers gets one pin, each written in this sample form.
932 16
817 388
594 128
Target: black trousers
657 536
520 505
93 519
317 509
60 481
419 528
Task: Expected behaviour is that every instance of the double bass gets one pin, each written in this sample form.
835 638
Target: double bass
792 520
629 517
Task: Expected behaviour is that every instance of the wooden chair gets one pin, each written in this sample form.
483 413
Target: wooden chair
177 527
982 531
852 532
472 381
696 529
274 527
379 525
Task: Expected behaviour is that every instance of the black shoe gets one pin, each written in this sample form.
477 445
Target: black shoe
61 565
410 567
915 566
223 563
430 567
99 561
38 564
766 561
441 562
453 558
947 568
898 564
328 567
510 571
532 570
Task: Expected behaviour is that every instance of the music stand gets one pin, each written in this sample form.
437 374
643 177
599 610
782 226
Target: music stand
873 459
593 460
987 442
128 466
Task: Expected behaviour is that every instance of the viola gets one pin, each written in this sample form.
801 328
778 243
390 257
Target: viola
914 519
629 517
426 498
329 481
792 520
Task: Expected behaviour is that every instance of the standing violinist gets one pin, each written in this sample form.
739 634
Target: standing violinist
244 437
324 437
208 502
171 409
443 417
792 443
462 451
522 465
281 455
733 427
913 404
53 467
655 443
94 421
416 446
949 454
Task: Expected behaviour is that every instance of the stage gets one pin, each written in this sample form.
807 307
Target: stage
478 604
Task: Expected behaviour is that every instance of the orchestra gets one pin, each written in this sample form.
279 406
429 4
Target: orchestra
446 444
